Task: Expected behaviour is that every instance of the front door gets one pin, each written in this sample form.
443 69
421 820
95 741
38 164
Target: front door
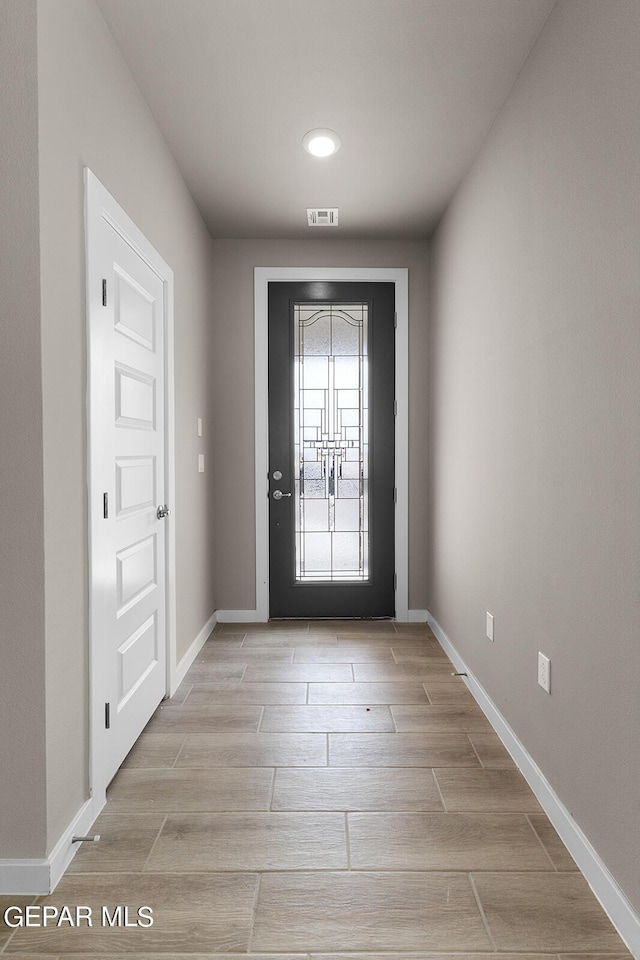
331 449
128 530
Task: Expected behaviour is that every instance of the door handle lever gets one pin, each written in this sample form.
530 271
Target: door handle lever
162 512
278 494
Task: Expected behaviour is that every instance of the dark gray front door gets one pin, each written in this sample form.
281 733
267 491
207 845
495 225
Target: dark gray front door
331 449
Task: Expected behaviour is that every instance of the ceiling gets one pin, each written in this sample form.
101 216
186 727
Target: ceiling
411 87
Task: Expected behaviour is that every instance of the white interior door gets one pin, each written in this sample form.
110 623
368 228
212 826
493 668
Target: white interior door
128 493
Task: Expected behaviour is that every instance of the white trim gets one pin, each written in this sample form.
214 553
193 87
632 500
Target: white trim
100 205
604 886
64 851
262 277
193 651
417 616
239 616
171 617
26 877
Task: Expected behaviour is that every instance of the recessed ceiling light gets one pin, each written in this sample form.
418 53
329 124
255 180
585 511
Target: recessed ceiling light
321 143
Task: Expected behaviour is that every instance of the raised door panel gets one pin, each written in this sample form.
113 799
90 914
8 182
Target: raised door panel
135 396
135 485
135 310
138 655
137 573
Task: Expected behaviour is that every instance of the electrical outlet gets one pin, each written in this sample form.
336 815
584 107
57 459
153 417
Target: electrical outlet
490 627
199 426
544 672
201 463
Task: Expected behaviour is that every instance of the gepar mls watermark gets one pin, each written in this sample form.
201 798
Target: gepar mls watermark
78 916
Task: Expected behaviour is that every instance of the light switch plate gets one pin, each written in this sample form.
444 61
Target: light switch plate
201 463
544 672
490 627
199 426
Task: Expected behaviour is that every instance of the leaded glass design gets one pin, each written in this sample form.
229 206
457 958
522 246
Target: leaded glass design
331 443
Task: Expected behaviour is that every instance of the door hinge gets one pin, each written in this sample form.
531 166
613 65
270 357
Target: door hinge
395 581
104 293
107 716
395 494
395 408
105 506
395 320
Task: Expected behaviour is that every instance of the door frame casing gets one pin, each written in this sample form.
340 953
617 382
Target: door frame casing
399 276
101 206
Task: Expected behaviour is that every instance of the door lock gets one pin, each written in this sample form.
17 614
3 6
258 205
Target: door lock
162 512
278 494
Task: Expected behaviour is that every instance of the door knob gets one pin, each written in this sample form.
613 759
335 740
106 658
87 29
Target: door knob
278 494
162 512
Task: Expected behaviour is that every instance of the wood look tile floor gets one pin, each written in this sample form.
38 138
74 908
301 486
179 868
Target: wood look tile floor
323 791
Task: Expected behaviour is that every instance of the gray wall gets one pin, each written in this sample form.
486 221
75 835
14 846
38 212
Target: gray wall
535 418
84 110
233 359
91 113
22 738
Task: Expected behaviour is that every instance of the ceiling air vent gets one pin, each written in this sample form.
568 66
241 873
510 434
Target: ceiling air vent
322 216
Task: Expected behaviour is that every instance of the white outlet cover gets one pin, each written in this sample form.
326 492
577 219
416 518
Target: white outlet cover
201 463
544 672
490 626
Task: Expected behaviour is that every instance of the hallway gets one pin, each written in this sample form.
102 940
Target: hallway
325 789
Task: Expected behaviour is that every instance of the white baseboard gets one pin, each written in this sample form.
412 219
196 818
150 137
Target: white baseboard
239 616
31 877
604 886
417 616
192 652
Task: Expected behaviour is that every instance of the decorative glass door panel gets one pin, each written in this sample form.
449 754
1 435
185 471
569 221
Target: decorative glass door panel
331 449
331 442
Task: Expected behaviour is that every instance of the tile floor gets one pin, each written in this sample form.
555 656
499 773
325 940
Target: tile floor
324 790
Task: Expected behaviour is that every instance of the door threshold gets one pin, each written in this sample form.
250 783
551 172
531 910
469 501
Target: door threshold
351 619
